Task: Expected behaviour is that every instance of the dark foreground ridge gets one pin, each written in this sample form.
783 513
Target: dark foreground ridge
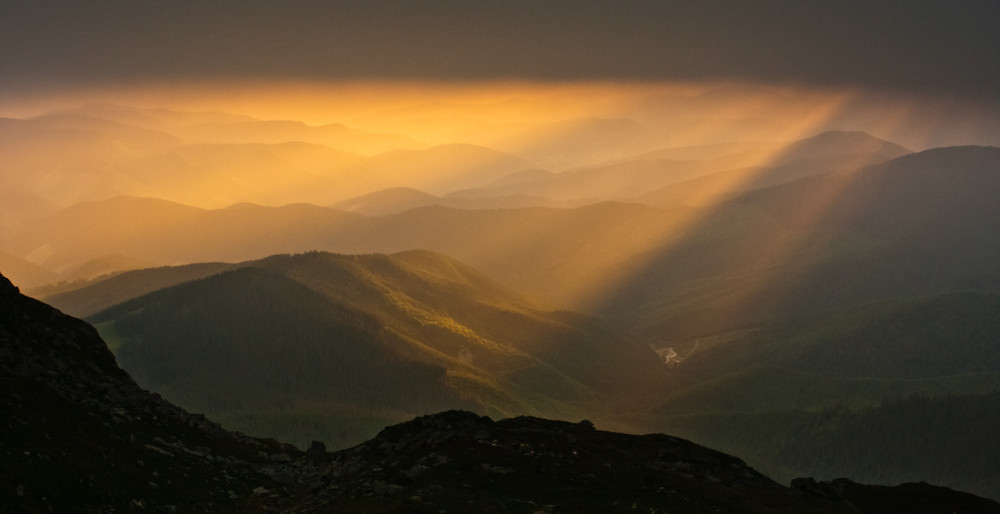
78 435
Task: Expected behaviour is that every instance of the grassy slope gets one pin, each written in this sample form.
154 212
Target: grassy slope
252 341
853 392
945 440
282 343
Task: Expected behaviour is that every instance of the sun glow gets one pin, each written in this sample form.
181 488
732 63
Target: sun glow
676 149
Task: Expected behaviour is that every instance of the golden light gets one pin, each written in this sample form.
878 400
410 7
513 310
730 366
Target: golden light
325 142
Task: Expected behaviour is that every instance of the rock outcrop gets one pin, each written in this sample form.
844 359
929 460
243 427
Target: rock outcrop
78 434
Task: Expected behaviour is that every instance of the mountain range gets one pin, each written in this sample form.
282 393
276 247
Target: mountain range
84 437
834 230
69 157
661 178
770 281
364 337
933 358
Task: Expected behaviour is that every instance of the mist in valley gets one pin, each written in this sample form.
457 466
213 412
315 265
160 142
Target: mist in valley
783 244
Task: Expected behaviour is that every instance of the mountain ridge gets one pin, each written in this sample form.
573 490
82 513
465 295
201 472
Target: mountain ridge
889 230
588 241
465 338
149 454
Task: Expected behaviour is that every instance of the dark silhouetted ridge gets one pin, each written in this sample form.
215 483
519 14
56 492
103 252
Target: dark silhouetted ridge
79 435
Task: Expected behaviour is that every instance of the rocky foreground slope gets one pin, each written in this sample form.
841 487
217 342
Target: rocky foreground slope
78 435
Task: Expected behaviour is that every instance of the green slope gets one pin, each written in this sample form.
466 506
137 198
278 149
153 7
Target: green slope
940 335
945 440
855 357
330 346
259 345
767 389
865 392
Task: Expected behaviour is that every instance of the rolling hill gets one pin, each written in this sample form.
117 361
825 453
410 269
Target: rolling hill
701 175
214 160
855 389
444 168
219 175
920 224
281 131
332 345
886 231
826 153
83 298
27 273
82 436
68 158
579 244
777 290
222 128
399 199
163 233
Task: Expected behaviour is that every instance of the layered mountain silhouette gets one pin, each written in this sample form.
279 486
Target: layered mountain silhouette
580 243
220 128
771 239
878 378
215 160
817 306
444 168
531 128
921 224
826 153
82 436
86 297
858 386
29 273
400 199
697 176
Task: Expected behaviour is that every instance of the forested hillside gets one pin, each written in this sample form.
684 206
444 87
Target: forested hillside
332 347
851 392
956 435
81 436
831 291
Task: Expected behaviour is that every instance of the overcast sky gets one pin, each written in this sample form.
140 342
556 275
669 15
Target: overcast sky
936 46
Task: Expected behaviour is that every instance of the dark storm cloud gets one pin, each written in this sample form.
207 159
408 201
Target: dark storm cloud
913 44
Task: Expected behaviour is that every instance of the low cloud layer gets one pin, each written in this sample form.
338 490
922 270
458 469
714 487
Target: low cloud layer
923 46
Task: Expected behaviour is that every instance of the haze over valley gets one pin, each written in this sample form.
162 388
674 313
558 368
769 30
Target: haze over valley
316 228
318 282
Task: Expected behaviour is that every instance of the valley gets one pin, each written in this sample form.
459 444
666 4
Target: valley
99 443
820 302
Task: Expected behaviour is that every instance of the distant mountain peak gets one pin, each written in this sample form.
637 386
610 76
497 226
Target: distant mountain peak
847 136
838 143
